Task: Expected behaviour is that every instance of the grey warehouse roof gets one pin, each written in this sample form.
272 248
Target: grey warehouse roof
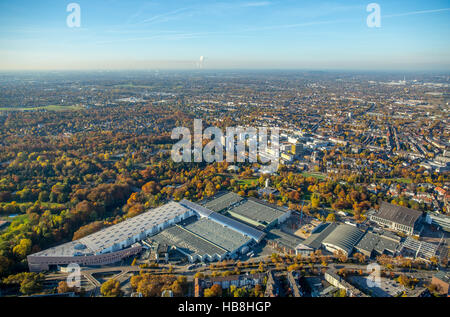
285 239
344 237
237 226
257 211
203 237
315 239
398 214
225 221
372 241
222 202
188 242
219 235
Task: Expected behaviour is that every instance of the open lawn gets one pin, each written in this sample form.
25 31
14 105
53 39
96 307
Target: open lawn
397 180
42 203
247 181
317 175
48 108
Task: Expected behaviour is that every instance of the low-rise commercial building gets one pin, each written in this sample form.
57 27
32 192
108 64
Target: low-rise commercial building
222 201
418 249
283 241
373 243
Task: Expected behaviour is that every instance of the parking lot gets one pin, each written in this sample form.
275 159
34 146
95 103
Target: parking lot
386 287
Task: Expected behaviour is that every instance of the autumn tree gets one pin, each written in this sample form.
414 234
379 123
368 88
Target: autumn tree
213 291
341 256
63 287
360 257
28 282
111 288
5 265
331 217
23 248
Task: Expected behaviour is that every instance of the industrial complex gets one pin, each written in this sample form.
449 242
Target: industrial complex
251 211
113 243
227 226
198 232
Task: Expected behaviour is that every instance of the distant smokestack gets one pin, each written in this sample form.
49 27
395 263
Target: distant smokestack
201 62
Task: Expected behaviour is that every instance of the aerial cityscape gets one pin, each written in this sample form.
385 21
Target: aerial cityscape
207 178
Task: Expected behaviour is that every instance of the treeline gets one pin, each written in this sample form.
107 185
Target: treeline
41 228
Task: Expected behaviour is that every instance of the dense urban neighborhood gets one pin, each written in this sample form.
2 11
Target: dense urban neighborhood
359 205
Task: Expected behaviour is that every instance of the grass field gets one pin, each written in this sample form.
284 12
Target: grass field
48 108
246 181
315 175
397 180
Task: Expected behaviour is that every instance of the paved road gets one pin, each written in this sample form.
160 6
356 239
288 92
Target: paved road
123 275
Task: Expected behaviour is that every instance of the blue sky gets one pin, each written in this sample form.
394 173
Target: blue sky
281 34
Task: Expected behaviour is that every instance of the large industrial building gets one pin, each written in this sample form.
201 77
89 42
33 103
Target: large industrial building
222 201
371 242
397 218
343 238
237 226
204 240
314 241
111 244
347 238
252 211
209 236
